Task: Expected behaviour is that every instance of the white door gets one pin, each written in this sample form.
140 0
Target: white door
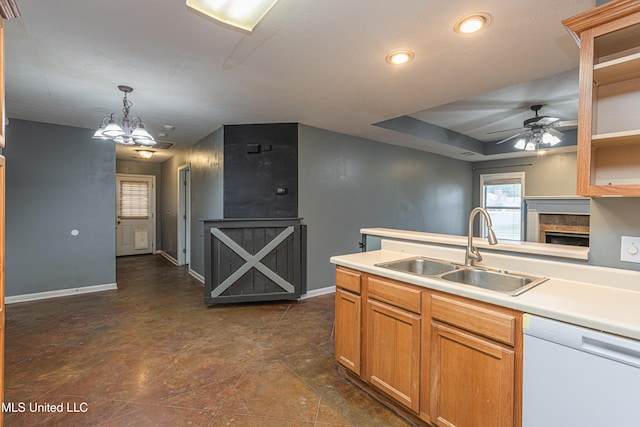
135 218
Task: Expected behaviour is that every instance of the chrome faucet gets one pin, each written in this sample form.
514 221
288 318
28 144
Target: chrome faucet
472 255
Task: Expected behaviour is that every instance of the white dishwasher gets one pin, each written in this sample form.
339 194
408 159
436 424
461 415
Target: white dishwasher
575 376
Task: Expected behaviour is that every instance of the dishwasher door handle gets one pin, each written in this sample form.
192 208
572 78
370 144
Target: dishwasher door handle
613 351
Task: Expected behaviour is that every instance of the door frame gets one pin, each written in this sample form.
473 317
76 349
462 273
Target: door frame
184 215
153 205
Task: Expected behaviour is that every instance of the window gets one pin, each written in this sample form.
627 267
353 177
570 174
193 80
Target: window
501 195
134 200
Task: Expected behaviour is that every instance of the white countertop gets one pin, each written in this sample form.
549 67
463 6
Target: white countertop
532 248
614 309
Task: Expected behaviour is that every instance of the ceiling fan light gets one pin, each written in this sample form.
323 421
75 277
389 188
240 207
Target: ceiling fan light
550 139
530 146
520 144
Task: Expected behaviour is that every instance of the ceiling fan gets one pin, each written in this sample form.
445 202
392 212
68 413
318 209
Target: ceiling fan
538 130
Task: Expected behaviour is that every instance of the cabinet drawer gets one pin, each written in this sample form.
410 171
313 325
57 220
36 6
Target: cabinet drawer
482 319
394 293
348 279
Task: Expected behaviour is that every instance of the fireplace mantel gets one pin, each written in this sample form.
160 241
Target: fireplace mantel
534 206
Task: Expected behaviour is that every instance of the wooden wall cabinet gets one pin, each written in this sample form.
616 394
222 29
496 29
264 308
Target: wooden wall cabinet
609 95
348 325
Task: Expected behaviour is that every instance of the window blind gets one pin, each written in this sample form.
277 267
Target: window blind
134 200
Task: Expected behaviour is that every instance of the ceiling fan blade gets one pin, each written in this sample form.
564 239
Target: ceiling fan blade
554 132
511 137
504 130
565 123
546 121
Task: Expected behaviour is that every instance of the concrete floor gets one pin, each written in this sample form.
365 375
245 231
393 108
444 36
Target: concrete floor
152 354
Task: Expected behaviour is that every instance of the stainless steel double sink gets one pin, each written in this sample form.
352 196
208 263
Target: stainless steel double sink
501 281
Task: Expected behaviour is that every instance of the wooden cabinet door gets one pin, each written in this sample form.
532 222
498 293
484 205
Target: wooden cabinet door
472 380
348 330
393 352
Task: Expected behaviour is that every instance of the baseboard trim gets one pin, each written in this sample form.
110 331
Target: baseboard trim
60 293
169 257
319 292
199 277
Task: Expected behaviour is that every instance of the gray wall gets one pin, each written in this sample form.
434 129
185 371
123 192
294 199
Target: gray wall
58 179
545 175
206 159
145 167
346 183
612 218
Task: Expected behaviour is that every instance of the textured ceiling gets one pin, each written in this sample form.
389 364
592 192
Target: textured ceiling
320 63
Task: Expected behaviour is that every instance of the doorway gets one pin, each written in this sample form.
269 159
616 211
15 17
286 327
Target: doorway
184 215
135 214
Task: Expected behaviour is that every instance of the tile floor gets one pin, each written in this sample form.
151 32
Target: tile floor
152 354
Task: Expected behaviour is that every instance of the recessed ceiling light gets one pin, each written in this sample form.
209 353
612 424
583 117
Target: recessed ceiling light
472 23
168 127
399 57
162 135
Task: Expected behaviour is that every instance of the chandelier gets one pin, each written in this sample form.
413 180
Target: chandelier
126 131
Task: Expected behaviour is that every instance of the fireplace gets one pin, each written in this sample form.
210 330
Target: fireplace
557 220
571 239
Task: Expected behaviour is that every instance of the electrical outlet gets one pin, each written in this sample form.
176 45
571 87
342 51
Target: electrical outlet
630 249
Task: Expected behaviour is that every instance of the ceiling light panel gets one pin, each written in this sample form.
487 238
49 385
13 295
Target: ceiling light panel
239 14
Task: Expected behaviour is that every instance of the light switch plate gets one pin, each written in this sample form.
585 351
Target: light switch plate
630 249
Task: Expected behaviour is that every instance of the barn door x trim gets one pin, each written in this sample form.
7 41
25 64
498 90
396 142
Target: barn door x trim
252 261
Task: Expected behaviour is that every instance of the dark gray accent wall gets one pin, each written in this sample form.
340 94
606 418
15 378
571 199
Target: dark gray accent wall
347 183
143 167
261 171
58 179
206 159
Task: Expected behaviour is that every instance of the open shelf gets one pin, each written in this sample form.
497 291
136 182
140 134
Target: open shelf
616 138
616 165
617 70
608 120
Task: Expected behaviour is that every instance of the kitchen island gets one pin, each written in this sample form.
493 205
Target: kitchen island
440 352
